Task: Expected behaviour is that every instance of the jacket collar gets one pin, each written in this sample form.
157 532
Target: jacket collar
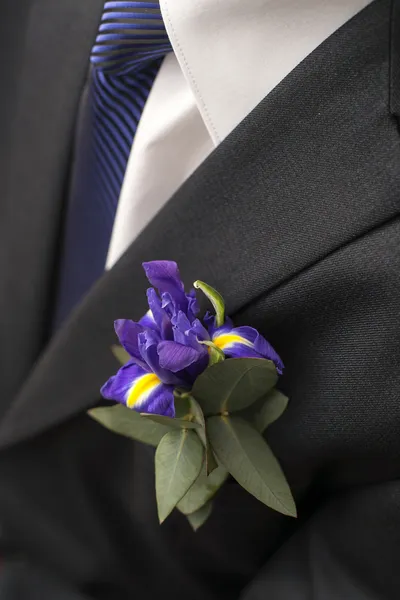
251 46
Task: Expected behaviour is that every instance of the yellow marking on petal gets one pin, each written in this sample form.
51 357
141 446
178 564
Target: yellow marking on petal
228 339
142 387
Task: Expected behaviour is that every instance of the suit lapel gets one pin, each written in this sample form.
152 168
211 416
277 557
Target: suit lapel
395 61
284 190
47 46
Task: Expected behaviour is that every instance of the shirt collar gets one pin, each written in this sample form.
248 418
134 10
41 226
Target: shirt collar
233 53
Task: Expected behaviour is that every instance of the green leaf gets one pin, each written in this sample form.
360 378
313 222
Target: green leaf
182 405
127 422
245 454
203 489
120 354
211 463
216 300
274 406
195 410
198 518
234 384
175 423
198 416
179 458
186 407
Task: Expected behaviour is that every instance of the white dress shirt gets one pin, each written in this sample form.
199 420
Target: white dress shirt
228 55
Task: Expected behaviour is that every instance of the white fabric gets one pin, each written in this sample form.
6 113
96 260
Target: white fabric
234 52
170 143
231 53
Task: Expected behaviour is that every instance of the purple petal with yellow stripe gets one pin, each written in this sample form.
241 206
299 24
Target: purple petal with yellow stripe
140 390
245 342
209 322
148 344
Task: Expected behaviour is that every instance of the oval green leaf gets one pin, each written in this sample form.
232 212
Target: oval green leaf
246 455
203 489
211 463
198 518
182 405
273 408
195 410
179 458
167 421
129 423
234 384
198 416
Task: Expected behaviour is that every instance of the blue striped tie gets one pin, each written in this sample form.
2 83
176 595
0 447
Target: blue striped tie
129 48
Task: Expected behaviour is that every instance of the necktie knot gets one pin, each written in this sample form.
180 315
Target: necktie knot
131 35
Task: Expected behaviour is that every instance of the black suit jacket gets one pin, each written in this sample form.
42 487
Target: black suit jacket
295 219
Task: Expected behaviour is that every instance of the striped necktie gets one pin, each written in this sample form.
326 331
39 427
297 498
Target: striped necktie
125 59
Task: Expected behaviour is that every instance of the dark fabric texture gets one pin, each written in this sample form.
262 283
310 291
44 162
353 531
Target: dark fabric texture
295 219
19 581
45 49
395 61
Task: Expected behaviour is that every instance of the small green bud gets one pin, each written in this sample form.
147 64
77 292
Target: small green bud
216 354
216 300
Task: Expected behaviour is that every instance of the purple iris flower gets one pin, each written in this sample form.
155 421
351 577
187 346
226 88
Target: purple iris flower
165 345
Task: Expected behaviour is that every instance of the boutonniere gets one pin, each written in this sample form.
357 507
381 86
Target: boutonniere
201 391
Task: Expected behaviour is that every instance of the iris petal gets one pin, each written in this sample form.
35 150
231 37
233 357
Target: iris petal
160 401
148 321
128 332
140 390
245 342
193 305
199 330
195 369
159 314
164 275
227 341
148 345
209 321
187 333
176 357
118 386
